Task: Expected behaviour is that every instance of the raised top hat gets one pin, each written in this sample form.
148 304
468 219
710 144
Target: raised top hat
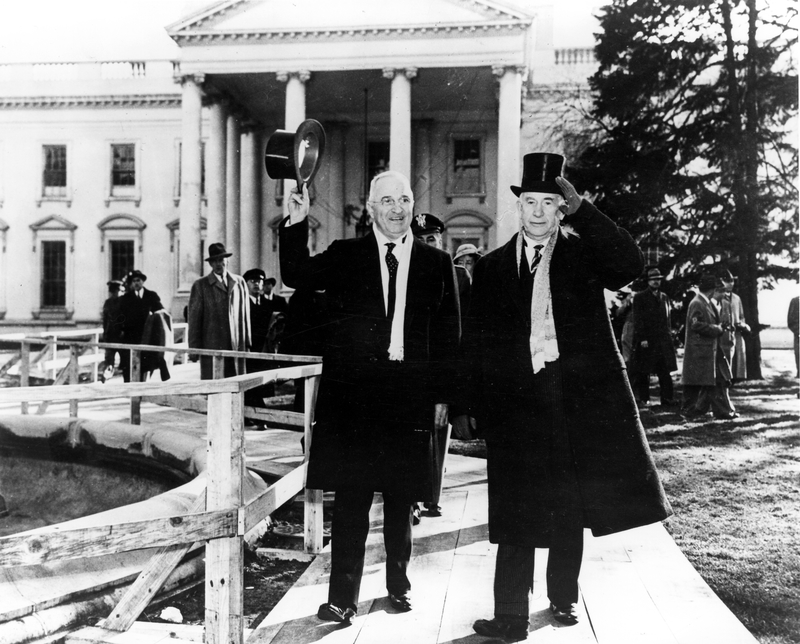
654 274
295 155
467 249
254 274
216 251
426 223
539 172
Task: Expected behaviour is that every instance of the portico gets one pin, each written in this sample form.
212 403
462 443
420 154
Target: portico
433 89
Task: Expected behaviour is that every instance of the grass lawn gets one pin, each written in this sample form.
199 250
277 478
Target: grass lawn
735 490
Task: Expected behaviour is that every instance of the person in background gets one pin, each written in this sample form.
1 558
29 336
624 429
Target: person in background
653 350
394 330
546 388
260 317
705 368
112 326
731 313
134 308
276 303
219 315
793 322
466 256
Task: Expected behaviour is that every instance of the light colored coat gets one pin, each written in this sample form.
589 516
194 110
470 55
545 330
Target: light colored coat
219 318
732 342
703 330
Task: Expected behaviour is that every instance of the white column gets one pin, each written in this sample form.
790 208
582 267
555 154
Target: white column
232 192
335 145
191 115
294 114
508 149
250 228
422 178
216 153
400 114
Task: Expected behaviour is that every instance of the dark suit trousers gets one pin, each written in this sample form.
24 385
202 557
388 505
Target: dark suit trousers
349 531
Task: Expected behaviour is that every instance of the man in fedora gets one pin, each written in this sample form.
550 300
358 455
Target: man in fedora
387 378
219 315
134 308
546 388
653 350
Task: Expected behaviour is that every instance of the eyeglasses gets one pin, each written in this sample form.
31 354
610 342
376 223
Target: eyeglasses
389 202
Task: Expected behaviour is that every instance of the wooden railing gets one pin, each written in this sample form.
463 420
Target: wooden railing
219 516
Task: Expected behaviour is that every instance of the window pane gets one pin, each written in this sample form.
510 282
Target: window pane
54 273
466 166
123 170
121 258
55 171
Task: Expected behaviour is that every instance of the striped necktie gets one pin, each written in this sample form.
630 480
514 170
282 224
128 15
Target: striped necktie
537 257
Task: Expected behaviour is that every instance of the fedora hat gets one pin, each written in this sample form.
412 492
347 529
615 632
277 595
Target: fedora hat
654 274
216 251
295 155
539 172
707 282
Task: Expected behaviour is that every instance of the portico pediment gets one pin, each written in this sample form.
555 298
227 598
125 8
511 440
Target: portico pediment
242 19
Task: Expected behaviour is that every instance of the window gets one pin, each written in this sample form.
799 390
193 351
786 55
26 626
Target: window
54 274
121 258
123 169
54 181
377 158
466 169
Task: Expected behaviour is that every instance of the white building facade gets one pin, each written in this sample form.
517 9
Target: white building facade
106 167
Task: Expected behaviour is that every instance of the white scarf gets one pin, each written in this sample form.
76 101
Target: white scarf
543 341
402 251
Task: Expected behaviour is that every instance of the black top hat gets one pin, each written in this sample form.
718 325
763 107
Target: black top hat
539 172
426 223
254 274
137 273
215 251
707 282
295 155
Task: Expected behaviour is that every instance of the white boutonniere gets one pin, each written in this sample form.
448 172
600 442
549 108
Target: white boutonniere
568 231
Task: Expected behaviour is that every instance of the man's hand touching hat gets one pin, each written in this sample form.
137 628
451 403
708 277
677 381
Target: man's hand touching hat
570 194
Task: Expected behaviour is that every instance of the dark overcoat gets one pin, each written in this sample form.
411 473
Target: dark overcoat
617 481
651 315
700 357
374 418
133 312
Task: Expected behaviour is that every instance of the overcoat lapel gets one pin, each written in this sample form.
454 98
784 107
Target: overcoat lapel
509 279
371 276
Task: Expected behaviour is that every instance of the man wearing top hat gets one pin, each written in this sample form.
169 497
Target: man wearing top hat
546 388
652 349
388 376
134 308
219 315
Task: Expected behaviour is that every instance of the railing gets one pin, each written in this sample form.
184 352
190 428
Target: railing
575 56
101 70
219 517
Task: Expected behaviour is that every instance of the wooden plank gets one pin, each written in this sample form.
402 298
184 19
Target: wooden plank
274 497
74 377
60 380
291 418
24 372
150 581
52 544
312 508
100 391
224 599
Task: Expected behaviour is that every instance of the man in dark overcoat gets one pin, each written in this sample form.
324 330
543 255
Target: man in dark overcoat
388 368
218 314
547 389
706 370
134 308
653 349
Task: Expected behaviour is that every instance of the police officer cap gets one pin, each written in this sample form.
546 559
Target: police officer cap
254 274
425 223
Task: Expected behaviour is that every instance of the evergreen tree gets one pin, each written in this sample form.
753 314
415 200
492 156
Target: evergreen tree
695 105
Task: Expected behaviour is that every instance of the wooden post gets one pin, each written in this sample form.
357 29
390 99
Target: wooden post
24 370
96 361
74 377
225 557
217 367
54 340
136 376
312 508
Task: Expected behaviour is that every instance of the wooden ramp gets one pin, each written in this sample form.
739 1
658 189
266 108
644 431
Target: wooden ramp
637 587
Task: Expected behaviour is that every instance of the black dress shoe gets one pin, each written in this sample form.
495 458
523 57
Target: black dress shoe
332 613
567 614
401 603
727 416
511 630
433 510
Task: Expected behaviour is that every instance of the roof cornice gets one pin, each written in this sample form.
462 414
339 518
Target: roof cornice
122 100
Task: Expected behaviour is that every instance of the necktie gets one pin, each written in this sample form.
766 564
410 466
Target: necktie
537 257
391 263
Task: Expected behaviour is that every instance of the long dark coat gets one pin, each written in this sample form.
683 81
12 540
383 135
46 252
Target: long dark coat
374 417
617 483
703 330
651 316
133 312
